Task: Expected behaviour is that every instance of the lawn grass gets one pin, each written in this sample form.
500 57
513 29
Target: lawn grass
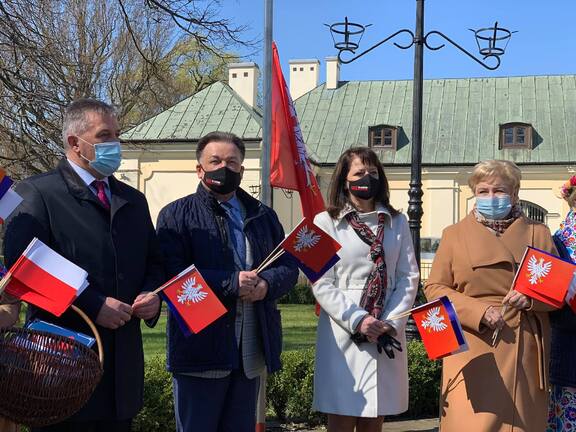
298 323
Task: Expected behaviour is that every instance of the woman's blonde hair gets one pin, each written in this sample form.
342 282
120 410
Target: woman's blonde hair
506 170
568 191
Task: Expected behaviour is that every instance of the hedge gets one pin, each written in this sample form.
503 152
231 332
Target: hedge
158 412
289 391
300 294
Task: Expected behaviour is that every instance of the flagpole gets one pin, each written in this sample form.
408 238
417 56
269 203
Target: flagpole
266 191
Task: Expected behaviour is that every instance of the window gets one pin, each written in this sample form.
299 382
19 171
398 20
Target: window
382 136
245 74
234 75
515 136
533 211
301 69
312 68
294 69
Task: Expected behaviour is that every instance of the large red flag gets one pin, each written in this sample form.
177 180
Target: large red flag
289 165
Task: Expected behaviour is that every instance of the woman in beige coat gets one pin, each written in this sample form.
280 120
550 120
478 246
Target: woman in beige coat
505 387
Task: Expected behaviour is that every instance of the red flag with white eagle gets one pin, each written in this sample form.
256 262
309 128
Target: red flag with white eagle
289 165
439 328
311 246
191 301
544 277
45 279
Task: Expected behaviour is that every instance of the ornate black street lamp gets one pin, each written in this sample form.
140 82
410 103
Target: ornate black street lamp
492 42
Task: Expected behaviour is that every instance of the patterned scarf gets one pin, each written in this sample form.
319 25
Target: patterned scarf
567 233
374 292
499 226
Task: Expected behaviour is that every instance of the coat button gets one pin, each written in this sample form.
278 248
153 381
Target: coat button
120 276
114 232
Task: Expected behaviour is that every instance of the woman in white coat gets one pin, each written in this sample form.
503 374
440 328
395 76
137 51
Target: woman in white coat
377 277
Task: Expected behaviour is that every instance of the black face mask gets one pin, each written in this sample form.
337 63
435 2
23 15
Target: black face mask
222 181
366 187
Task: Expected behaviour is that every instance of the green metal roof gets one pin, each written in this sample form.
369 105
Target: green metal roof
217 107
461 118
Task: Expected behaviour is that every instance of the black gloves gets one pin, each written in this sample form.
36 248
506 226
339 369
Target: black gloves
388 344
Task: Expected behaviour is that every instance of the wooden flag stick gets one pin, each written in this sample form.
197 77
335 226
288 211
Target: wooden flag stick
4 282
497 331
270 256
401 315
270 260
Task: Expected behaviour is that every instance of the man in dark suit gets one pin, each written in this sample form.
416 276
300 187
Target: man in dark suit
103 225
226 234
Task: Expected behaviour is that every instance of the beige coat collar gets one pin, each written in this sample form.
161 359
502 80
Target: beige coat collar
484 248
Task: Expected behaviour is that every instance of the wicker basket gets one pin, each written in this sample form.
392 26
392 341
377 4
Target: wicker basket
46 378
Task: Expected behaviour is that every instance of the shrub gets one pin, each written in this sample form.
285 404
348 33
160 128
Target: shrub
424 379
289 391
300 294
158 412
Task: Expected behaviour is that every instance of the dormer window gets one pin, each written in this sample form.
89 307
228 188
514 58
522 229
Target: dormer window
382 137
515 136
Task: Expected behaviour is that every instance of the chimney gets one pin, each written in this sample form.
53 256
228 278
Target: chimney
332 72
243 78
304 76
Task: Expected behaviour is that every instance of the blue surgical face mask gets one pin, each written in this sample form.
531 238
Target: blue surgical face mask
107 157
497 207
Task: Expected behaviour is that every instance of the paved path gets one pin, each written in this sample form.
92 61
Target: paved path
428 425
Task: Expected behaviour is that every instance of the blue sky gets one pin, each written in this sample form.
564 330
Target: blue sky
544 45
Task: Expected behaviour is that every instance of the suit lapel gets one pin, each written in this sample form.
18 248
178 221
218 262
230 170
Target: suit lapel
76 186
80 190
118 196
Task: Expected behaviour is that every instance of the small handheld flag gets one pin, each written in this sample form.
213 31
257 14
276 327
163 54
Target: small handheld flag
191 301
45 279
315 251
9 199
544 277
312 247
439 328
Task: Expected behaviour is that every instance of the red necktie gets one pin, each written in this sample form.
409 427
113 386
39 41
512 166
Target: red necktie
102 197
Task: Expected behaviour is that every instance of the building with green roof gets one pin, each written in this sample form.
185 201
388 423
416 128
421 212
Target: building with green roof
530 120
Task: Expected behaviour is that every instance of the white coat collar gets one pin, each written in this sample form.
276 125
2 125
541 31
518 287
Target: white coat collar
349 209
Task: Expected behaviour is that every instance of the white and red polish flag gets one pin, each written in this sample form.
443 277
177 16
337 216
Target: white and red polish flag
45 279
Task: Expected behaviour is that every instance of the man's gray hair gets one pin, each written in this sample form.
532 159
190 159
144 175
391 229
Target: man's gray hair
75 119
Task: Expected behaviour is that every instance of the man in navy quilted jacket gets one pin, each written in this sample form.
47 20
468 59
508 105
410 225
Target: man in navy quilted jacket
226 234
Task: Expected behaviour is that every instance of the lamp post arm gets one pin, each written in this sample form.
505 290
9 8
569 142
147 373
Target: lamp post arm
446 38
393 35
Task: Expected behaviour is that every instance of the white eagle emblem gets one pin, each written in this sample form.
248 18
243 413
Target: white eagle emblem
190 292
538 270
434 321
306 238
